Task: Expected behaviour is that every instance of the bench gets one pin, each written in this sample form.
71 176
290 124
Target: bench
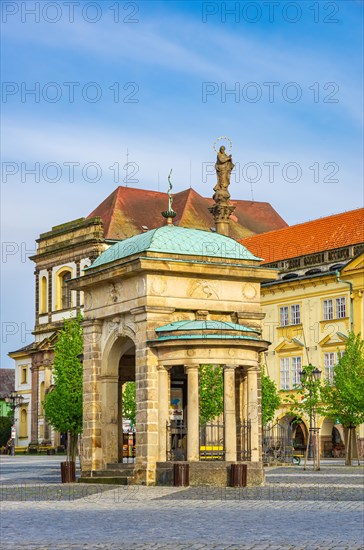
20 449
47 449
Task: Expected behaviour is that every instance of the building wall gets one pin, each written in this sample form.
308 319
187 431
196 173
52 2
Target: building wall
313 340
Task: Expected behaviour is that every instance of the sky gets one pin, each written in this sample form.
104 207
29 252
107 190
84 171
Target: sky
108 93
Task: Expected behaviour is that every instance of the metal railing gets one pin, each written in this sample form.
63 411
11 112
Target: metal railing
277 443
176 440
244 440
212 441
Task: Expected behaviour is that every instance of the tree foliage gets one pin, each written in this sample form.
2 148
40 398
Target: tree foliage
308 394
129 402
63 404
5 429
270 397
211 392
344 397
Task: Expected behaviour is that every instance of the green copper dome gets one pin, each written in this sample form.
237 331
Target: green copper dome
201 330
172 239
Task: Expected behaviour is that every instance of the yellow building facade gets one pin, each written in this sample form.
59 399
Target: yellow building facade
309 311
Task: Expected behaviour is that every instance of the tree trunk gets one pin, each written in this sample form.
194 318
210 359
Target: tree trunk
349 433
73 438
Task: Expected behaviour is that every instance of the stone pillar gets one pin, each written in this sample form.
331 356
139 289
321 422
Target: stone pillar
34 409
193 413
120 421
254 413
91 438
110 424
229 414
47 383
163 409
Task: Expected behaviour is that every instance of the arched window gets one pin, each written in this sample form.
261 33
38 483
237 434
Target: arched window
66 291
43 295
23 428
63 293
41 398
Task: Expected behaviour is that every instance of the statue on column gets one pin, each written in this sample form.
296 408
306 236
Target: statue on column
224 166
222 209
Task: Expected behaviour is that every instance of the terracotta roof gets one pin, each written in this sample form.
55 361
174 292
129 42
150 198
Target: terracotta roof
126 210
318 235
7 382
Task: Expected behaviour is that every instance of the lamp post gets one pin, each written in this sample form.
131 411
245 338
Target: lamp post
15 400
309 377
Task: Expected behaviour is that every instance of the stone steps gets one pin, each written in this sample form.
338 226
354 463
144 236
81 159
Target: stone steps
114 474
105 480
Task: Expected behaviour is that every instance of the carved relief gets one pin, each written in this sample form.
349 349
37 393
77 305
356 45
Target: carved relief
114 292
204 289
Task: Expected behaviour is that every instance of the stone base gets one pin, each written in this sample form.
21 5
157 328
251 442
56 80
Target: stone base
213 474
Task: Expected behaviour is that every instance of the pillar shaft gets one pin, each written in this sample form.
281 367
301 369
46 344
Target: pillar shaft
163 409
120 422
193 439
229 414
254 412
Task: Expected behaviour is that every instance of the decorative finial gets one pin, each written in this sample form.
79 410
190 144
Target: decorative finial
170 213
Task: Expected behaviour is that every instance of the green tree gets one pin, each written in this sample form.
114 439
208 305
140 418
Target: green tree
63 404
129 402
211 392
344 396
270 397
307 395
5 429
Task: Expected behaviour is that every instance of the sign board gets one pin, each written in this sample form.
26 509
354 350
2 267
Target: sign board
176 404
13 432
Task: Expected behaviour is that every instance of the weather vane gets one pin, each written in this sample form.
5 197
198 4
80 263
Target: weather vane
170 213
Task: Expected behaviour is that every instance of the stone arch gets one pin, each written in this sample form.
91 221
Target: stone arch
332 439
299 427
118 345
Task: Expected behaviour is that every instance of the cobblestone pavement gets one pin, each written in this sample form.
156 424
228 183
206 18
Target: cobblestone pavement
295 510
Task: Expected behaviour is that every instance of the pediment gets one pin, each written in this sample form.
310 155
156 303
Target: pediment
288 345
333 340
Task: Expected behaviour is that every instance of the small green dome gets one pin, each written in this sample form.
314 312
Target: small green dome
202 330
172 239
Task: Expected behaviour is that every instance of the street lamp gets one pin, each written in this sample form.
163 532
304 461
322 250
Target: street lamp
15 400
308 377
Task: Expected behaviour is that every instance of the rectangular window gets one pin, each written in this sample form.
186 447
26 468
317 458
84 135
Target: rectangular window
285 373
328 310
296 368
283 313
340 308
24 375
295 314
329 364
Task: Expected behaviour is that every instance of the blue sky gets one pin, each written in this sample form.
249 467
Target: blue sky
297 76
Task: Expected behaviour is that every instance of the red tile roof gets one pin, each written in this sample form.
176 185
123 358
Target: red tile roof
307 238
126 210
7 382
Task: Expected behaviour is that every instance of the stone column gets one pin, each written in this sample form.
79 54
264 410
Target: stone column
163 409
91 438
110 424
229 414
34 409
193 413
254 413
120 421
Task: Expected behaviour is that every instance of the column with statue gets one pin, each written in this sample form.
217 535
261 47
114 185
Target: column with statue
222 208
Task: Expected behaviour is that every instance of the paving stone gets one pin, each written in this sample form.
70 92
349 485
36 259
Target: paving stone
40 513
